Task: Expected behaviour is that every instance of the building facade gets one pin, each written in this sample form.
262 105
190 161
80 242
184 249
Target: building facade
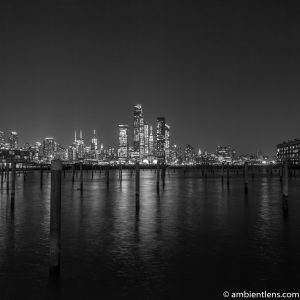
13 140
138 131
225 153
167 143
123 143
48 148
160 138
289 151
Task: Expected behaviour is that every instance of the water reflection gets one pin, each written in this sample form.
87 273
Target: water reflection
195 230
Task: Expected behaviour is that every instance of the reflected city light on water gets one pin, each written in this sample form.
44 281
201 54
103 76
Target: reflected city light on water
193 230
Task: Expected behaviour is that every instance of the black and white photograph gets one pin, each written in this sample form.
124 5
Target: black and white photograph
149 150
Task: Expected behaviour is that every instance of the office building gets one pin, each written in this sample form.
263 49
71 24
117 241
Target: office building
151 141
123 143
225 153
146 138
48 148
160 138
138 131
13 140
289 151
167 143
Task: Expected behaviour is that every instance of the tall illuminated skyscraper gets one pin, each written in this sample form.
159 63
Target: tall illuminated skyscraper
138 131
151 141
146 138
123 143
94 144
2 139
13 140
160 138
79 145
167 142
48 147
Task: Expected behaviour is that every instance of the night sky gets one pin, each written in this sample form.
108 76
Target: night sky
221 73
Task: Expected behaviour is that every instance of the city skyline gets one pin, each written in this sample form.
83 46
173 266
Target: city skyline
112 141
222 73
147 143
136 140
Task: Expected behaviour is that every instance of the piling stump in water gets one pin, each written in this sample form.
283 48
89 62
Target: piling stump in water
41 175
73 172
137 185
2 175
107 175
285 181
228 174
120 173
285 187
81 177
222 173
157 177
246 178
163 174
13 185
7 176
55 216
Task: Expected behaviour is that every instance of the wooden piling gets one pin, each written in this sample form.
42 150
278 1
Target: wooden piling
2 175
41 175
280 172
24 172
228 174
13 185
55 216
81 177
120 173
137 185
157 177
246 177
73 172
107 175
222 173
285 180
7 176
163 174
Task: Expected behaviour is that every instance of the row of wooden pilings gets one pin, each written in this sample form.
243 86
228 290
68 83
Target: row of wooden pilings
55 202
55 210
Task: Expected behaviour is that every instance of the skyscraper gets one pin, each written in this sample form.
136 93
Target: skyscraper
225 153
146 138
48 147
167 142
189 154
2 139
79 146
123 143
160 138
138 131
151 141
94 144
13 140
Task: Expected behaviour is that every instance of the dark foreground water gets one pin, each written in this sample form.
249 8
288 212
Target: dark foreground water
194 240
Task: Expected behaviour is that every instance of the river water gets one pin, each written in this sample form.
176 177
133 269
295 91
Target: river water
193 240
